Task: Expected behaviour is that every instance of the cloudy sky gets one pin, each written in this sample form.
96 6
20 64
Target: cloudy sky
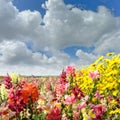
39 37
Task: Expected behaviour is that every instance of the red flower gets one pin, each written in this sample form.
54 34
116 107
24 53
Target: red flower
54 114
77 92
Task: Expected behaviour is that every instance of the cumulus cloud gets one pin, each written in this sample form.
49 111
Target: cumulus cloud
15 24
17 53
76 26
109 42
85 58
61 26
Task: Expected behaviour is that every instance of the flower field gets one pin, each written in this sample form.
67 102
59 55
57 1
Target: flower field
90 93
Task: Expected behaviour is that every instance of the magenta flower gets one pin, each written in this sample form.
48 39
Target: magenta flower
7 82
15 100
98 109
94 75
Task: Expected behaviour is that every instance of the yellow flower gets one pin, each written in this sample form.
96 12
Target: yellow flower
115 111
110 54
85 116
94 99
58 105
113 103
15 78
98 60
3 92
115 92
91 114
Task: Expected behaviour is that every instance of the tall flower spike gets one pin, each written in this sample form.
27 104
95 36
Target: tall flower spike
7 82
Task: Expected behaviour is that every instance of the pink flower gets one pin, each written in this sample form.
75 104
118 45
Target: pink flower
48 86
64 118
76 115
70 70
54 114
61 88
63 77
69 100
94 75
81 105
97 94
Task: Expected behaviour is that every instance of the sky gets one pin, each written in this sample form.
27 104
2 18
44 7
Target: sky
42 37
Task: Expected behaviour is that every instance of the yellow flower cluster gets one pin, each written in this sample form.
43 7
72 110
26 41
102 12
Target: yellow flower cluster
109 80
83 81
117 111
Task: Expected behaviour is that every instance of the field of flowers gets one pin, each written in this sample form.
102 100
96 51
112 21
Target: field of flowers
91 93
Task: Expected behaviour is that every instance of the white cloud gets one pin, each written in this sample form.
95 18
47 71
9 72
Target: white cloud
64 25
18 53
16 57
85 58
15 24
109 42
76 27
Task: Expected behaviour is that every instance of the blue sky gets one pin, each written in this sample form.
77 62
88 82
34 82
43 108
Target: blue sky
113 5
42 37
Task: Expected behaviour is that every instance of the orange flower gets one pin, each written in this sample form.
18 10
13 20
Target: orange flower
30 91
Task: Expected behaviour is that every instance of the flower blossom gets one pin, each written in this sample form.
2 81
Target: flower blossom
20 97
30 91
54 114
63 77
61 88
98 95
15 100
98 109
94 75
70 99
77 92
7 82
70 70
